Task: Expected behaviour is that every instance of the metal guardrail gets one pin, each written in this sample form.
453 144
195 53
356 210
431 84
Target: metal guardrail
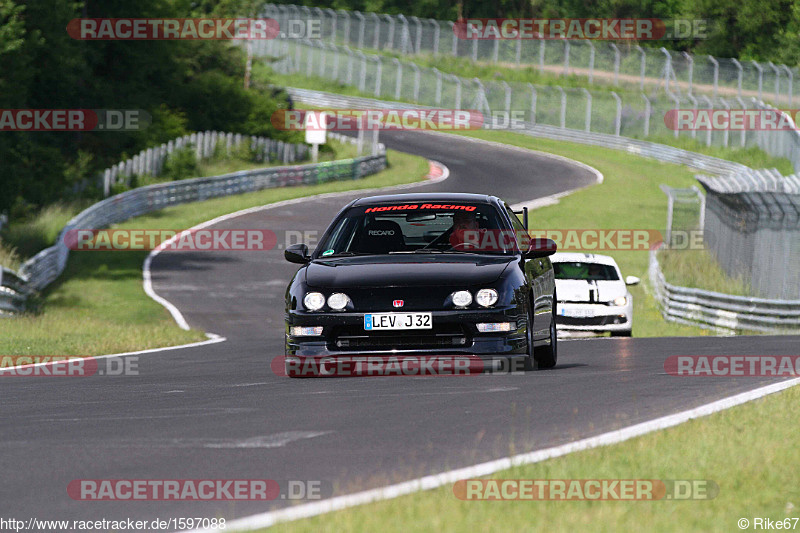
42 269
721 311
681 304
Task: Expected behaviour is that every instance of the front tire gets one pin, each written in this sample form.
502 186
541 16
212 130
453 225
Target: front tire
547 356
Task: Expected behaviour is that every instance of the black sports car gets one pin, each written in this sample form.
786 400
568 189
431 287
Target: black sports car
426 274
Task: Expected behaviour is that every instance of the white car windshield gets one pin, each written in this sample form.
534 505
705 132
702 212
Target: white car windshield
585 271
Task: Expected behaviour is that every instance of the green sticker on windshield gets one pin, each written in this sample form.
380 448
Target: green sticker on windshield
327 252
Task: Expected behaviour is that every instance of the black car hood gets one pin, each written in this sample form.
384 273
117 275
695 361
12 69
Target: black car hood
412 270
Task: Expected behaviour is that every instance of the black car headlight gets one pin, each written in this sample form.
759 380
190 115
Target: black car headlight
338 301
486 297
461 298
314 301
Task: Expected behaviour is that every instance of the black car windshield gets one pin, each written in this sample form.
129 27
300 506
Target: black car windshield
585 271
419 227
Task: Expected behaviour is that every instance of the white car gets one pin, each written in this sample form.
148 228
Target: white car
592 295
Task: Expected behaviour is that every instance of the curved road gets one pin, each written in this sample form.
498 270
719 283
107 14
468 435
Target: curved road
218 412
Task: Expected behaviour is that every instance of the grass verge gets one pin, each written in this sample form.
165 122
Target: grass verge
699 269
98 306
749 451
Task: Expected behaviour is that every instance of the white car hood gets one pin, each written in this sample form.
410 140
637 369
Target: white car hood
578 290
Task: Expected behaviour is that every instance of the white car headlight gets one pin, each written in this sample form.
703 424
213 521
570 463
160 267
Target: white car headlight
622 300
338 301
314 301
462 298
486 297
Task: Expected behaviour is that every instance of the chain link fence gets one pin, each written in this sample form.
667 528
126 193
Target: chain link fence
622 65
598 111
753 228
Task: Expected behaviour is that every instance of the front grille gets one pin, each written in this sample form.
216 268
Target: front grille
591 321
443 336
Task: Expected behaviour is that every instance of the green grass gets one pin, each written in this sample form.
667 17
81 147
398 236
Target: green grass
98 306
749 451
39 230
698 268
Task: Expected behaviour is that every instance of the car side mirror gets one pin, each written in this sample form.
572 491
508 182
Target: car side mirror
541 248
632 280
297 253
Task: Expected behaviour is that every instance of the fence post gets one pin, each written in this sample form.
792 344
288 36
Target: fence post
404 36
376 41
474 50
725 132
415 68
616 64
436 31
362 81
591 61
738 77
438 97
390 40
743 141
710 106
563 114
399 78
693 100
361 23
334 19
643 63
677 105
418 35
760 70
378 75
347 24
309 57
533 103
647 109
716 74
507 96
566 57
667 67
588 122
690 60
790 75
496 50
777 72
350 54
518 52
618 117
458 91
454 50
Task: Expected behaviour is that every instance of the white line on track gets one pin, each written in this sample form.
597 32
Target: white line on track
308 510
212 339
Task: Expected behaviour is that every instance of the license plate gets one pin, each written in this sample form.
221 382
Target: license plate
387 321
578 313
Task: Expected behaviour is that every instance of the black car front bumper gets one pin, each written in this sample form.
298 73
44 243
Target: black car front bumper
453 332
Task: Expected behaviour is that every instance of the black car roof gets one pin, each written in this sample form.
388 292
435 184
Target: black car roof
439 197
